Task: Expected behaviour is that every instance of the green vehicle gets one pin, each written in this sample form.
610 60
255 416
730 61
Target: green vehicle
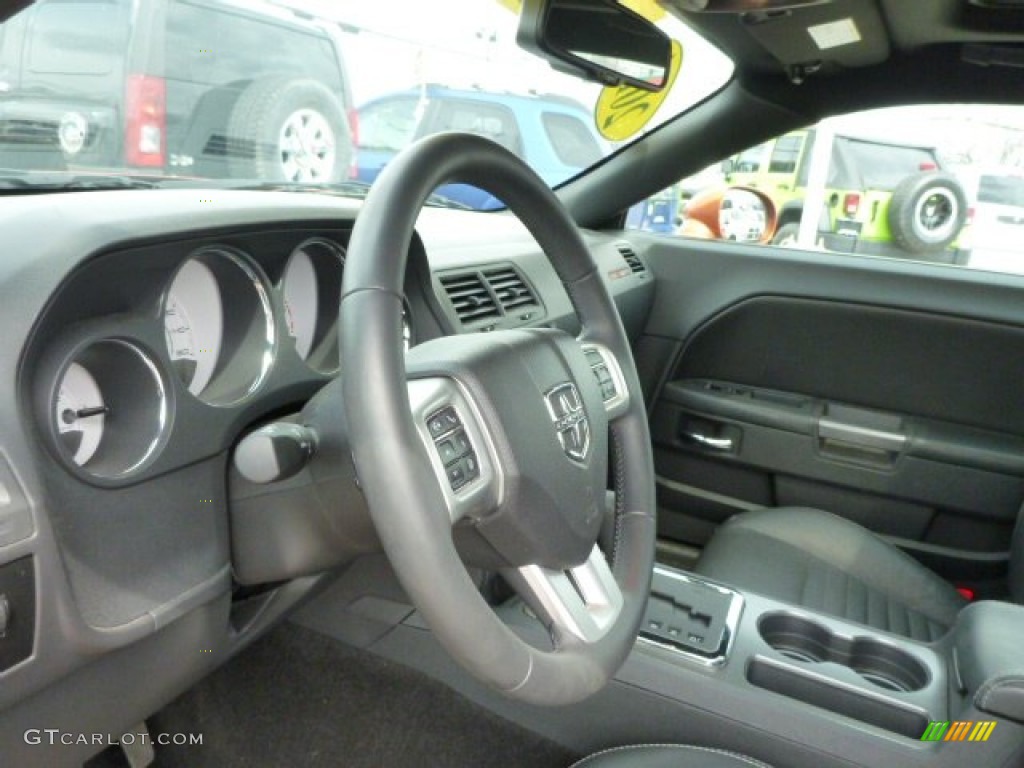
882 198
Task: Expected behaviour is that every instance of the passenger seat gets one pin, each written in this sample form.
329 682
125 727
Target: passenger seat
828 564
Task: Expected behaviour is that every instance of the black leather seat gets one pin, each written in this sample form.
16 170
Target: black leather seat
668 756
825 563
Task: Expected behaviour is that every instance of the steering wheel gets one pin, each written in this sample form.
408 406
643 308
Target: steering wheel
530 412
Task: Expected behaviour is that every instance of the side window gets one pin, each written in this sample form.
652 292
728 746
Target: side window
786 154
572 141
491 120
389 125
942 184
749 160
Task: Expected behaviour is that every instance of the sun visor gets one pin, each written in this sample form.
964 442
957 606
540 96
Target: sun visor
842 33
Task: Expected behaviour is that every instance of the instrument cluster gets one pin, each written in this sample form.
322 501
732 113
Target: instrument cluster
198 344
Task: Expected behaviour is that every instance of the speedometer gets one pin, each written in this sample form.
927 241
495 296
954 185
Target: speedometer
194 324
219 325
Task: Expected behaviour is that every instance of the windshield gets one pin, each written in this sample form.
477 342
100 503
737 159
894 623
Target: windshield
297 93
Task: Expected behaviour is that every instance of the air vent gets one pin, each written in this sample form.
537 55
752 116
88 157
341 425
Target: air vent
510 289
470 297
634 262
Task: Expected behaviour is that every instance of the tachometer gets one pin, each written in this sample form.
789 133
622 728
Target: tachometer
194 324
80 414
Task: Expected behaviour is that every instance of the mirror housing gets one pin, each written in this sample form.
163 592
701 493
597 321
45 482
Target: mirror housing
598 40
745 6
739 214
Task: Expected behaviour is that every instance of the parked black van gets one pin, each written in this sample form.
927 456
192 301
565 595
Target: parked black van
188 87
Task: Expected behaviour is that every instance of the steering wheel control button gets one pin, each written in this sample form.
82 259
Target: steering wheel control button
605 382
472 467
609 378
443 422
454 447
457 475
447 451
460 448
462 444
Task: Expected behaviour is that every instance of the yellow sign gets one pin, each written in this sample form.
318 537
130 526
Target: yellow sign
649 9
623 110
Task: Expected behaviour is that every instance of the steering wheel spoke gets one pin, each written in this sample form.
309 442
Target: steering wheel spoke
459 445
610 379
579 604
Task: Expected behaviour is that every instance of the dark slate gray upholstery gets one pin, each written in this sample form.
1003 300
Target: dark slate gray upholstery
668 756
825 563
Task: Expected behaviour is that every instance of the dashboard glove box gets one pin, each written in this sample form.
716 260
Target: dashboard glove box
990 657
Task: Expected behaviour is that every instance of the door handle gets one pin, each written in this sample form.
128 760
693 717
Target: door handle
723 444
862 437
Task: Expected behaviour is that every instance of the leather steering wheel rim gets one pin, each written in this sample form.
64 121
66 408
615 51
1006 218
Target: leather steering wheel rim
405 497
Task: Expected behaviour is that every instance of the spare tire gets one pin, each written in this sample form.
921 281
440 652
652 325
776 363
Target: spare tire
927 211
289 130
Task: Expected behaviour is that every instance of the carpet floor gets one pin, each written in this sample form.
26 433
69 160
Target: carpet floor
299 698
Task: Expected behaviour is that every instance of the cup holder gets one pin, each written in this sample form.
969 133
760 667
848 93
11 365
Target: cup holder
879 663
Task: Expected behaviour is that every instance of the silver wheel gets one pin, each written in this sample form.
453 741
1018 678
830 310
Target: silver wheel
936 214
307 147
927 211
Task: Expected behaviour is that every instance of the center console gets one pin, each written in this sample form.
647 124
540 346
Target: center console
974 676
729 668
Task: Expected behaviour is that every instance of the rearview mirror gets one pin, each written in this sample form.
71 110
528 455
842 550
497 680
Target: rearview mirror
598 40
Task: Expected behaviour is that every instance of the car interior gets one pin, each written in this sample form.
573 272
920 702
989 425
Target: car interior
370 482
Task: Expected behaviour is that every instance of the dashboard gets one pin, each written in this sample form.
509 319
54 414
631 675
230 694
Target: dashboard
147 333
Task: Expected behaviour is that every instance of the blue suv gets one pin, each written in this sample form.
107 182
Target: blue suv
554 135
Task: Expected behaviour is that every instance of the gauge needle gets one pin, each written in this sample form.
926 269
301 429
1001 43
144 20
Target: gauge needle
69 416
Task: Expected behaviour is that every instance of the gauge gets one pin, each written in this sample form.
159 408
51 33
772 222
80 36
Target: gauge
80 414
310 292
219 325
194 324
109 410
301 301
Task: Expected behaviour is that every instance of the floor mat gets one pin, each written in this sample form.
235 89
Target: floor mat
298 698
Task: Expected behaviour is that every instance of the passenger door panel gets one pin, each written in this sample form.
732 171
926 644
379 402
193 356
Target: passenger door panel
887 392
